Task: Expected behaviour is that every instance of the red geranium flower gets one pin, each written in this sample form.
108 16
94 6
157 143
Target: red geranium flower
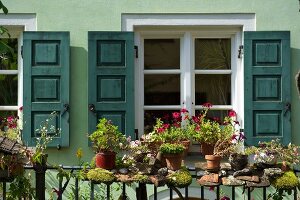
207 105
232 113
183 110
176 115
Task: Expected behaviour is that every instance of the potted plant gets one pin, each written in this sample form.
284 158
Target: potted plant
173 153
107 141
208 131
170 130
268 154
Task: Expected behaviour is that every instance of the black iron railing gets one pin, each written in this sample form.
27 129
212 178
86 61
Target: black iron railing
141 193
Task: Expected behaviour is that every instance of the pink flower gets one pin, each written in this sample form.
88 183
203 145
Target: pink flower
166 126
211 188
10 119
160 130
176 125
207 105
197 128
21 108
232 113
183 110
176 115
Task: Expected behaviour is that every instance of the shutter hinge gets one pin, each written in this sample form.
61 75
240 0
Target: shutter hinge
136 51
22 51
241 51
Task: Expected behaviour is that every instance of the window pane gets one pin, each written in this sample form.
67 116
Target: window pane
162 53
212 54
162 89
9 89
217 115
9 54
213 88
150 117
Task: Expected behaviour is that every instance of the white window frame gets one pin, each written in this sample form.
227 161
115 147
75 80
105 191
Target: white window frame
16 24
146 23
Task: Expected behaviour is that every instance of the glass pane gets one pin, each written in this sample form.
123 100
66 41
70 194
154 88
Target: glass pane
162 89
150 117
212 54
8 54
213 88
9 89
217 115
162 53
3 117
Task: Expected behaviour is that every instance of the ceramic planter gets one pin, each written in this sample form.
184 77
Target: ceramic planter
213 162
106 160
173 161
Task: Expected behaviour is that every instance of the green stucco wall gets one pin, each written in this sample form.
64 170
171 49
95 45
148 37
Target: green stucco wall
79 17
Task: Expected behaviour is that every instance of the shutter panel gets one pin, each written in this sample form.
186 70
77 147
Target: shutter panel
46 84
267 86
111 79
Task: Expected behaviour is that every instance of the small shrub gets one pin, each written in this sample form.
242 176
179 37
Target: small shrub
180 179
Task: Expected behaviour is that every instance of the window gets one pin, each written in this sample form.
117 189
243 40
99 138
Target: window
9 76
185 69
11 63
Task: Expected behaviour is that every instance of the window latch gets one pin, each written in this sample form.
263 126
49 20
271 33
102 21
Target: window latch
241 51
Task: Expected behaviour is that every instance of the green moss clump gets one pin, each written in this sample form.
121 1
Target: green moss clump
286 181
101 175
180 179
141 178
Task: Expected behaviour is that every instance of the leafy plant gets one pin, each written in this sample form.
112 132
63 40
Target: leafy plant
171 148
107 137
209 130
45 138
267 152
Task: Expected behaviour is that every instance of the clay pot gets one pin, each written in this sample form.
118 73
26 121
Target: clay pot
173 161
213 162
206 148
106 160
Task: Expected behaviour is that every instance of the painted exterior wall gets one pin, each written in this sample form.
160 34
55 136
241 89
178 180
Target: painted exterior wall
79 17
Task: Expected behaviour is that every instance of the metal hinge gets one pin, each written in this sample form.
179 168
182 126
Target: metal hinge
136 51
241 51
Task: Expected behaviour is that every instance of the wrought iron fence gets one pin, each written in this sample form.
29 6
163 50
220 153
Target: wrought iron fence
141 193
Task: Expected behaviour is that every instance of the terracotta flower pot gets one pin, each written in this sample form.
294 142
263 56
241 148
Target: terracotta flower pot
213 162
106 160
206 148
173 161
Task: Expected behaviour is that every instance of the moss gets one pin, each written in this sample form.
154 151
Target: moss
141 178
286 181
101 175
180 179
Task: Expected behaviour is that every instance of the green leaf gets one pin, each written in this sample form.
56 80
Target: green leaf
5 10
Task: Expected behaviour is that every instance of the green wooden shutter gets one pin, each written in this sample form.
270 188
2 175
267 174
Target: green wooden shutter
46 84
111 79
267 86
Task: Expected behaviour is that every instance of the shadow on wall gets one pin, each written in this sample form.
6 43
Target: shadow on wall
295 57
78 111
